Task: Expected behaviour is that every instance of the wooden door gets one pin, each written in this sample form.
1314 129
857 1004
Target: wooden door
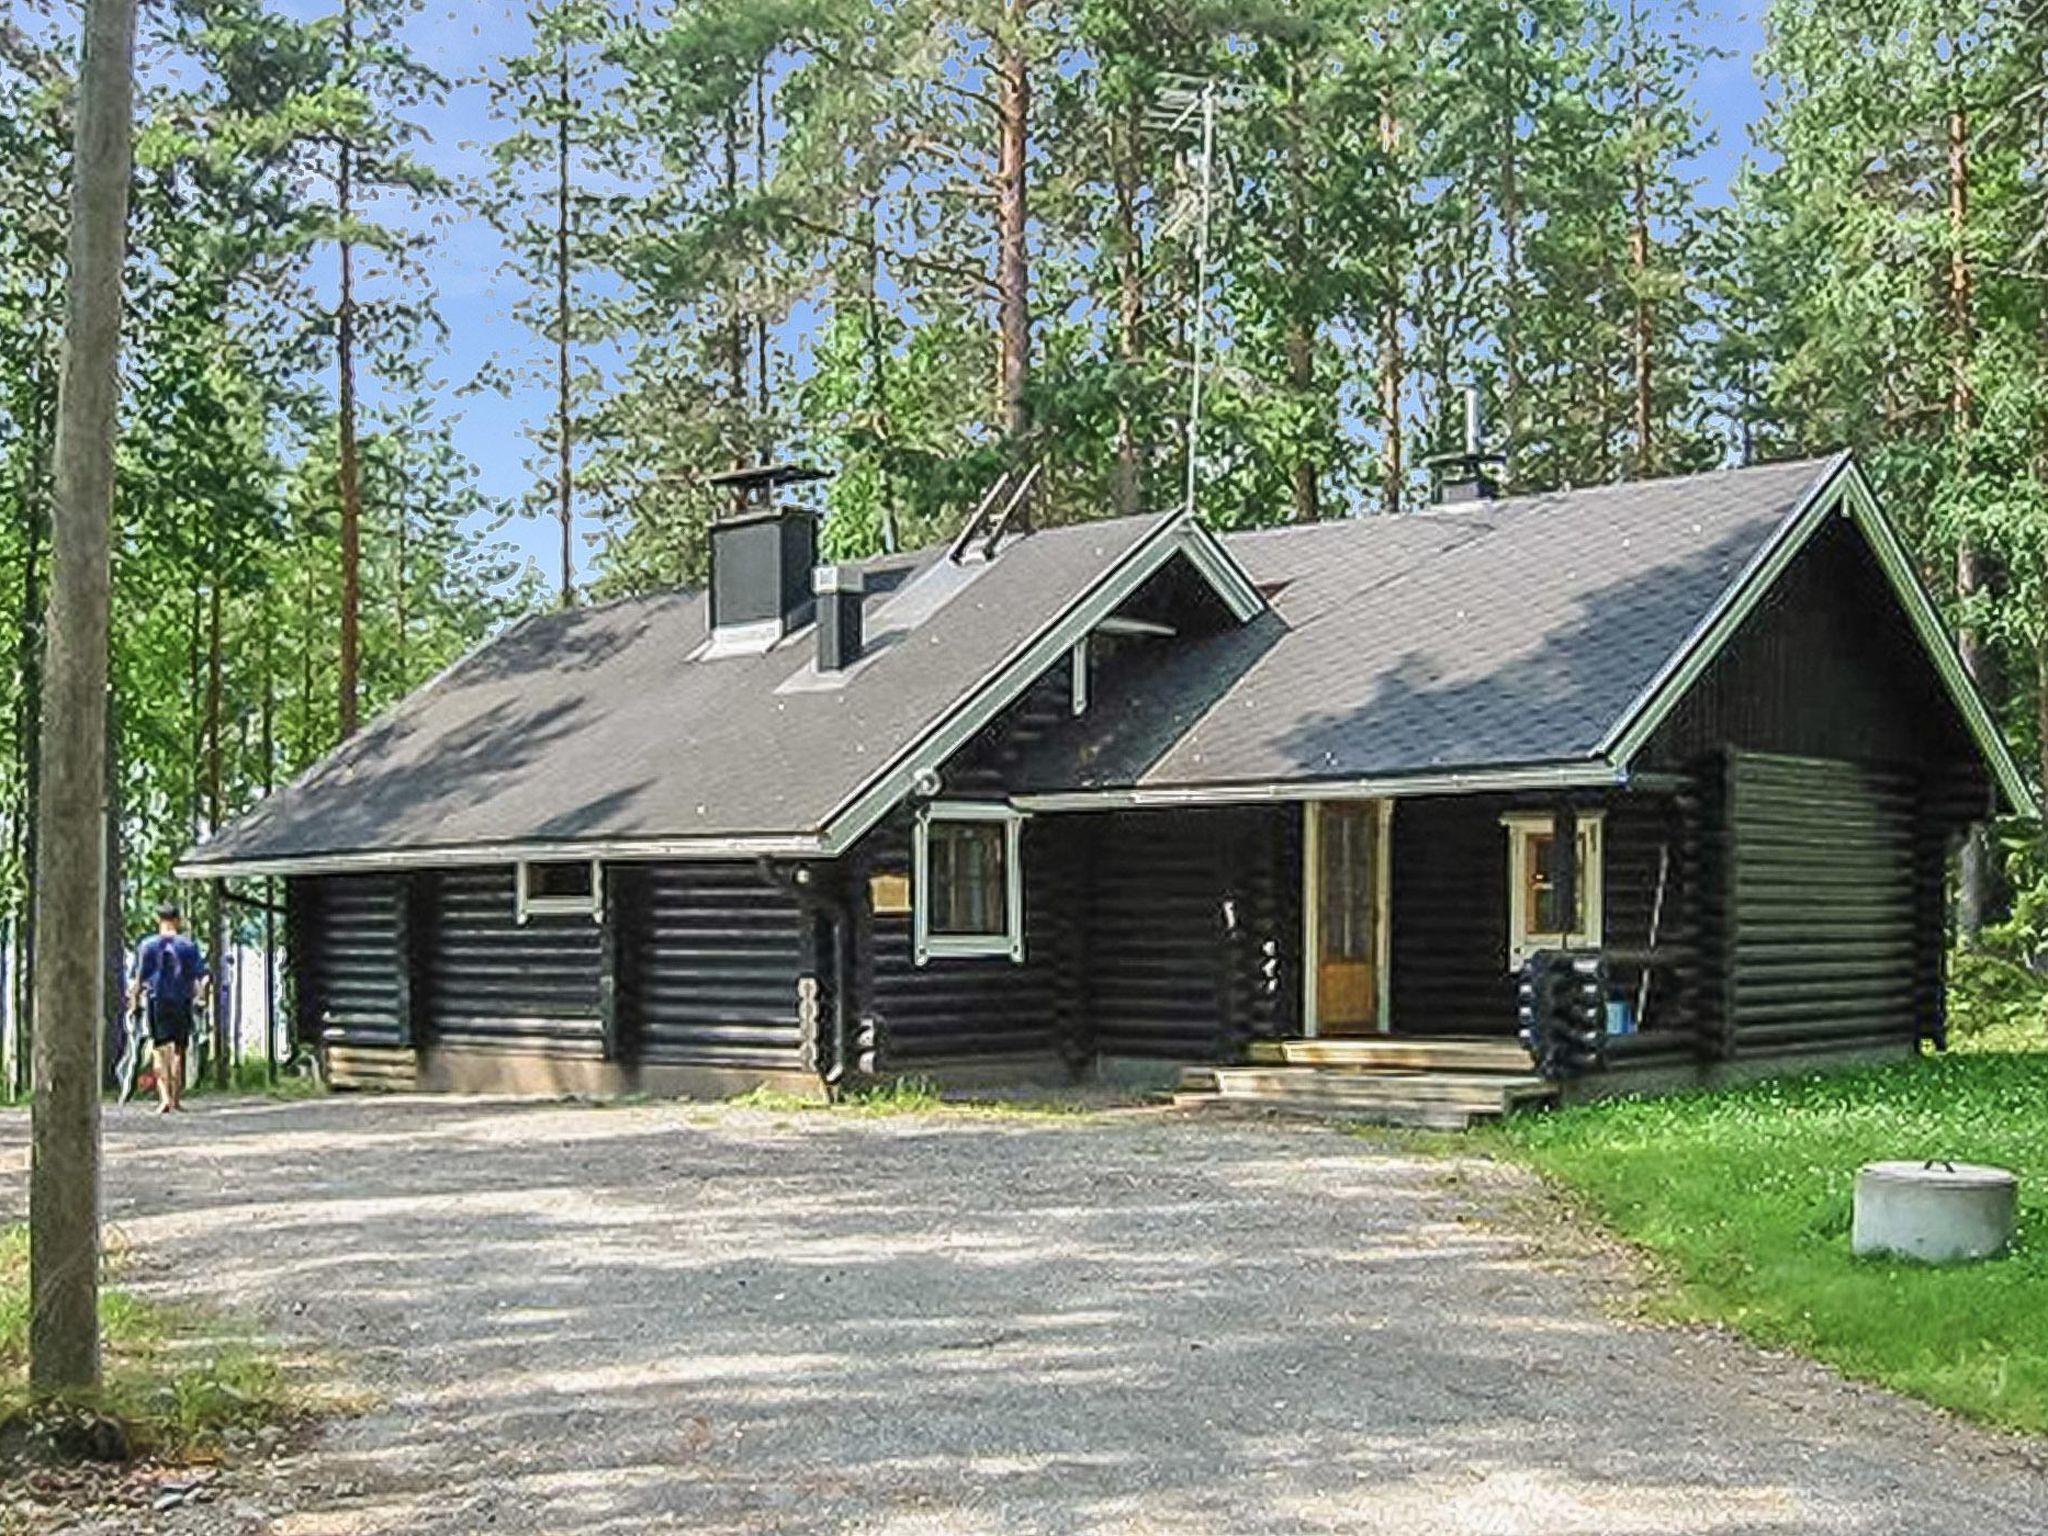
1347 897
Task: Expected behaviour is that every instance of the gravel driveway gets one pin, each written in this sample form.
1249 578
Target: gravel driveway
659 1318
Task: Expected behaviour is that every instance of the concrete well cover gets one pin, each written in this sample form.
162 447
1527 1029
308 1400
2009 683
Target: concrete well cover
1940 1212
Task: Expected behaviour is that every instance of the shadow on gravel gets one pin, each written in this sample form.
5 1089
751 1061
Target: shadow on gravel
655 1318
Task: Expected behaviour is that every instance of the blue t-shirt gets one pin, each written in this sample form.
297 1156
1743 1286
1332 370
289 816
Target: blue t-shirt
169 967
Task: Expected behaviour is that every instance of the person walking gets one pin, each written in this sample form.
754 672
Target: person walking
171 981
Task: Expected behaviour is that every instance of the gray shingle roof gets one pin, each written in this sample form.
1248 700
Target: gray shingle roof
595 723
1515 632
1511 632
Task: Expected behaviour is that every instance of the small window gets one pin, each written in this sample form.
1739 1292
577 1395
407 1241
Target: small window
968 892
1536 920
561 888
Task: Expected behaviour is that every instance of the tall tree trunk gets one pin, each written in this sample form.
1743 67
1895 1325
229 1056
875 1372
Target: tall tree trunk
347 470
565 467
1974 877
2041 703
878 377
1511 290
1303 481
1013 260
269 731
761 343
401 531
216 1024
1392 470
28 732
114 943
1128 489
735 321
1640 337
64 1166
1304 484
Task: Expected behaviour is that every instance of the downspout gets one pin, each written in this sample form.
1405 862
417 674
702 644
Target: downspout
813 896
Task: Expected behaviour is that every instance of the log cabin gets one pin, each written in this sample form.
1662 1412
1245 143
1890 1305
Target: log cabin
1277 815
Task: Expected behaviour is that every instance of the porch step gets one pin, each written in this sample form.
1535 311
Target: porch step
1396 1053
372 1068
1437 1099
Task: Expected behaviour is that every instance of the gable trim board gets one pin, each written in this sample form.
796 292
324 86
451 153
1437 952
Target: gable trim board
1841 491
1178 534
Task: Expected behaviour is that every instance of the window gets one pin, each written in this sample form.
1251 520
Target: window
968 895
1535 918
561 888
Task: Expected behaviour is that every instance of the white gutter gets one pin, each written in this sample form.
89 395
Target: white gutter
448 855
1537 776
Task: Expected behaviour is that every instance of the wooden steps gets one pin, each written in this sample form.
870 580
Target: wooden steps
1439 1084
1396 1053
375 1068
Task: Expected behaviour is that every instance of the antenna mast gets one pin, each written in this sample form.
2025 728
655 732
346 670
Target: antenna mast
1184 101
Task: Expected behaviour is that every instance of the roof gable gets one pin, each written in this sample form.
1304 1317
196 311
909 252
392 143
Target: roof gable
1503 636
1537 640
1845 492
606 731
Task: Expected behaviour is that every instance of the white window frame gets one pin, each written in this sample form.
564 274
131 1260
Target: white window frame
528 905
1521 825
1077 681
1008 944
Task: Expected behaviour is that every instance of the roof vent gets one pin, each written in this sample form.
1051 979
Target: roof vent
1471 473
762 555
840 590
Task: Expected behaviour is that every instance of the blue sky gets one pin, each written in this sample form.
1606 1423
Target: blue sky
461 41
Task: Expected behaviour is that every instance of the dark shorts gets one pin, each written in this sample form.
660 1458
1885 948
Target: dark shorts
170 1023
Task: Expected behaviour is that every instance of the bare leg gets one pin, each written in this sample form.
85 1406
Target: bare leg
166 1069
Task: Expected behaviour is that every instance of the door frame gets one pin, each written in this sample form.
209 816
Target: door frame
1311 944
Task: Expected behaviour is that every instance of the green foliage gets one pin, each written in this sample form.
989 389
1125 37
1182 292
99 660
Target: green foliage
1996 1004
1745 1195
175 1382
226 562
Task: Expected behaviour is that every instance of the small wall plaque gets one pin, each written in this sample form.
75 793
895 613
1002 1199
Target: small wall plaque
889 893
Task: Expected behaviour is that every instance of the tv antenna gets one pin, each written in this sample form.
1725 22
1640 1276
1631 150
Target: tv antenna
1187 104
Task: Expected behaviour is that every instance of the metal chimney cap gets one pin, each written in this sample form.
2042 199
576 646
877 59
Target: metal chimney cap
828 579
765 477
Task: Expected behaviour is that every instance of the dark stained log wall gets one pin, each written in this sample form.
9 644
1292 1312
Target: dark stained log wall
1189 949
1827 666
1823 942
492 981
1450 907
350 987
711 960
961 1008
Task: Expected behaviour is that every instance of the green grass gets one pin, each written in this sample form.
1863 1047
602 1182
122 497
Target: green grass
1744 1196
253 1077
912 1096
176 1382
